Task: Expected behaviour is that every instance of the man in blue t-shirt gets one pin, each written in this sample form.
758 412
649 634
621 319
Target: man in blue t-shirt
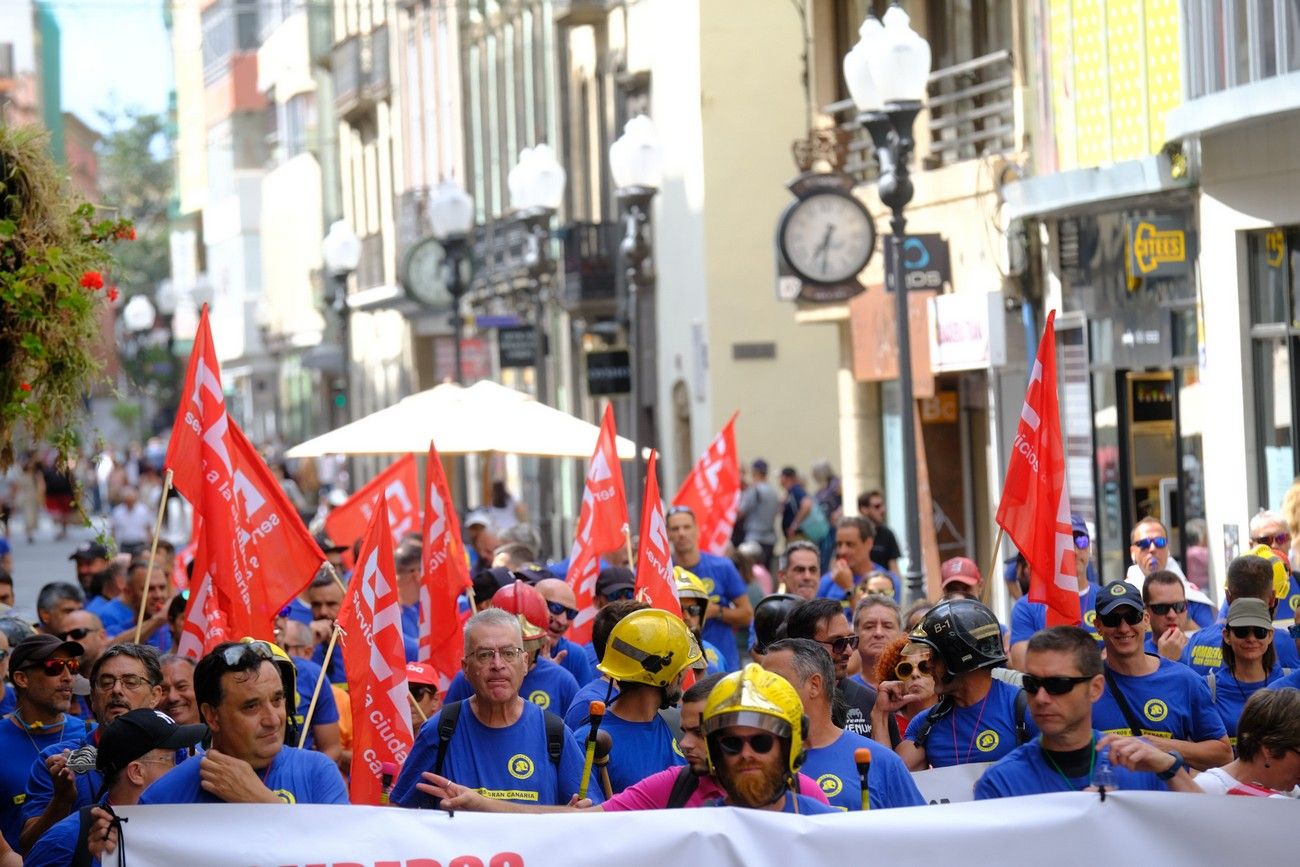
1164 699
1029 617
830 757
323 728
1063 677
408 562
242 698
602 687
562 608
499 743
326 597
729 605
1249 577
853 563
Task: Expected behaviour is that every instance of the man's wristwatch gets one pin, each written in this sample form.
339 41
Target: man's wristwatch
1168 773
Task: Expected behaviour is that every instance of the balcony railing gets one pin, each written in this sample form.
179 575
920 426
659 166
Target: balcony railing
1232 44
361 72
591 265
345 62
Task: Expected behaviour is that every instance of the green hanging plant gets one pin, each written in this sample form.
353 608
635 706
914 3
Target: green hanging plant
54 258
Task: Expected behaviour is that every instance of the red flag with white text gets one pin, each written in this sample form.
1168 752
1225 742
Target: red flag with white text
712 490
400 486
655 585
1035 507
602 525
205 623
373 656
445 576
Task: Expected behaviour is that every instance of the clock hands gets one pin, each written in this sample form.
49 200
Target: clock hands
823 250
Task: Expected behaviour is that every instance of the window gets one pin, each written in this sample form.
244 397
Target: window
228 26
1274 262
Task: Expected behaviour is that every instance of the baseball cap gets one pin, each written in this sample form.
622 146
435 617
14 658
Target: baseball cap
1249 612
1118 593
959 570
89 550
614 578
136 732
531 573
477 518
488 581
38 648
421 673
328 545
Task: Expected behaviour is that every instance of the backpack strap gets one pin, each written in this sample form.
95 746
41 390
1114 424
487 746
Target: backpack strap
1135 726
555 732
81 852
1022 704
937 712
446 728
684 785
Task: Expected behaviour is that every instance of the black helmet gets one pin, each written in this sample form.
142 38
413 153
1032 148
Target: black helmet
965 634
769 614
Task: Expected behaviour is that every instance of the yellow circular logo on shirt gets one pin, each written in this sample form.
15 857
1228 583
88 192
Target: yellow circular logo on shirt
520 766
540 698
831 785
1090 620
987 741
677 749
1155 710
285 795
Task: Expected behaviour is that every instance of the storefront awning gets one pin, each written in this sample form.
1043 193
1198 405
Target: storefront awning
1076 190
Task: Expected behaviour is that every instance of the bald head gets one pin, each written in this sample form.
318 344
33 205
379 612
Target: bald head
557 593
297 640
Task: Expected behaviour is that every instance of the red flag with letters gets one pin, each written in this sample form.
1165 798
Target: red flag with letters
205 623
655 584
602 525
712 490
400 486
373 656
1035 507
445 576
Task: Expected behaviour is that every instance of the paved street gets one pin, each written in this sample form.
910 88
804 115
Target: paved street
44 561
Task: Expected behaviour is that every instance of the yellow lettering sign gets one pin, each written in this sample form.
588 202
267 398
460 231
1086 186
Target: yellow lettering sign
1152 248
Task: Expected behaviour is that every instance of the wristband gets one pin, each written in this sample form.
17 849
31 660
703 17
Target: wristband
1170 772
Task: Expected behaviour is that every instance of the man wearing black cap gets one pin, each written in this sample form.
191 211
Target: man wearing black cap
41 669
91 557
135 749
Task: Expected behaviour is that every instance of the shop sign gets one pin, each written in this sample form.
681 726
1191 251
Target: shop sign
1157 247
967 331
609 372
517 346
926 266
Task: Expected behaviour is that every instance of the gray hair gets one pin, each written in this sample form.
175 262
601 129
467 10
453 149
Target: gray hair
1265 516
808 658
492 617
298 633
58 591
144 654
876 600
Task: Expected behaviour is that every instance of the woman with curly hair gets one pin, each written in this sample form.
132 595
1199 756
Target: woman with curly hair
908 664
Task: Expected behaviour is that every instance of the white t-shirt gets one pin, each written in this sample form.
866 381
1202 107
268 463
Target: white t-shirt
1217 781
131 525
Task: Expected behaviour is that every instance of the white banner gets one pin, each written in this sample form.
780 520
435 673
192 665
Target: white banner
951 785
1188 829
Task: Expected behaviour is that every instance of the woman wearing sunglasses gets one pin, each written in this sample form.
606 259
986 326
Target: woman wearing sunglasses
1249 660
908 664
1268 750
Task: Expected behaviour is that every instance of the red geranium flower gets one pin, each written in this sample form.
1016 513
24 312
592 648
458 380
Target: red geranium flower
25 386
112 293
126 233
92 280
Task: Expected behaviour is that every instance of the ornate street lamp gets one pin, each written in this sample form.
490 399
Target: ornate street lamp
451 212
886 72
340 250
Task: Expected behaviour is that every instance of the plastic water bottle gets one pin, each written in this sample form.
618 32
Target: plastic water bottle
1103 775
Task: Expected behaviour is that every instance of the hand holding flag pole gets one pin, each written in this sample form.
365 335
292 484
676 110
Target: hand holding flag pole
153 552
315 693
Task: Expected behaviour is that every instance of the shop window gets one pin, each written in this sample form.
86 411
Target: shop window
1274 262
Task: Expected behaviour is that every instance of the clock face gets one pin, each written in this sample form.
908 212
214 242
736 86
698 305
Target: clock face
827 237
425 276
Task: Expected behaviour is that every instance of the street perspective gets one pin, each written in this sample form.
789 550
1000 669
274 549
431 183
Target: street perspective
510 433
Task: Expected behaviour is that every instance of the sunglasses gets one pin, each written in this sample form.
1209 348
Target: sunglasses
760 743
1159 543
905 669
1131 616
1281 540
420 693
1257 632
1056 685
1160 609
239 655
558 608
76 634
1081 541
622 595
55 667
841 644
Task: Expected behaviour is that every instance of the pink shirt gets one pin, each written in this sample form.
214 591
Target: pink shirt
652 792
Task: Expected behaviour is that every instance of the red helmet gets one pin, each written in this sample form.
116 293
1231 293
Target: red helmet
521 598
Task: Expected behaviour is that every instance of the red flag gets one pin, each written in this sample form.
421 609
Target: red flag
205 624
371 620
712 490
602 525
446 574
400 485
655 585
1035 507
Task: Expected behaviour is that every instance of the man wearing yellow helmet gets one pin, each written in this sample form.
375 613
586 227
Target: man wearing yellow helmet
1249 577
755 728
694 599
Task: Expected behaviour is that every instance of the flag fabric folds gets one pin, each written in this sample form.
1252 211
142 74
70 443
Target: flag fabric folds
712 490
445 576
602 525
400 486
655 585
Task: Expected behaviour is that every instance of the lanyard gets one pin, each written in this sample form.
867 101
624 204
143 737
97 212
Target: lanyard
974 733
1092 764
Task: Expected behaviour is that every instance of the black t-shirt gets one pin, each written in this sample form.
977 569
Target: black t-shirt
884 546
858 701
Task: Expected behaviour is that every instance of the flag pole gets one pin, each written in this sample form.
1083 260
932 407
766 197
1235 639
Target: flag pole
994 557
627 543
335 575
424 718
315 693
153 552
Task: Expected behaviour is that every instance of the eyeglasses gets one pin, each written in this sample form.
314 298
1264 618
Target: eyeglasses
906 669
1081 541
695 609
1280 540
1113 619
485 655
1257 632
1160 609
132 682
558 608
841 644
76 634
169 762
759 743
420 692
620 595
54 667
238 656
1159 543
1055 685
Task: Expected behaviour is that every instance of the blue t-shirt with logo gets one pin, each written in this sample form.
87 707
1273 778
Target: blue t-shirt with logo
295 776
724 585
1030 617
638 750
1204 650
546 685
509 763
580 708
983 732
1170 702
1026 771
1230 695
57 845
713 658
327 710
18 750
575 660
888 782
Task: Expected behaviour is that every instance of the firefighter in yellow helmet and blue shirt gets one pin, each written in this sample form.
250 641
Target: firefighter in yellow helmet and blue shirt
694 599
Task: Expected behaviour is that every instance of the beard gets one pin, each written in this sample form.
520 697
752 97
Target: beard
753 790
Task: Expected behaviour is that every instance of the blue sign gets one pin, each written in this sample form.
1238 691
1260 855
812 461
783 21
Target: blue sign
926 267
506 321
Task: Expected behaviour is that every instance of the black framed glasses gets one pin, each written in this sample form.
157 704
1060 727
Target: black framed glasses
841 644
1160 609
760 743
1159 543
558 608
1113 619
56 666
906 669
1257 632
1058 684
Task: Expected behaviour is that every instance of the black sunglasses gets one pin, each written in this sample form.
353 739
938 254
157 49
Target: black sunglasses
1159 542
420 691
558 608
841 644
1160 609
76 634
760 743
1257 632
1055 685
1131 616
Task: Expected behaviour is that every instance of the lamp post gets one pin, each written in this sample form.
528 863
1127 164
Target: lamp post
886 72
341 252
637 168
138 317
536 191
451 212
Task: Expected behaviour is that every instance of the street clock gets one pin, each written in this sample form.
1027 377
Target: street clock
825 237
